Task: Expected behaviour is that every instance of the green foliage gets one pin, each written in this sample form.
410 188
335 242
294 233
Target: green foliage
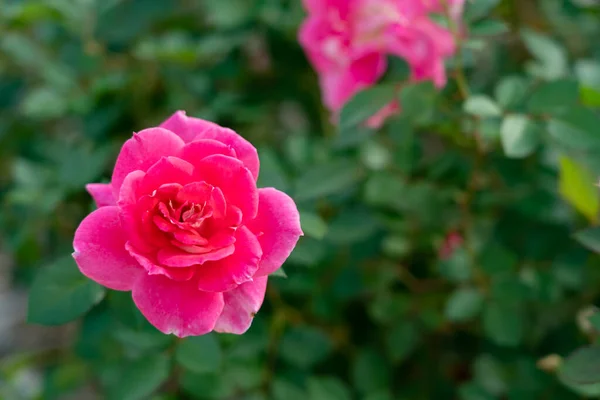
60 294
381 300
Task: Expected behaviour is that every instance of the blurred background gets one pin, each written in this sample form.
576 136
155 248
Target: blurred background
438 260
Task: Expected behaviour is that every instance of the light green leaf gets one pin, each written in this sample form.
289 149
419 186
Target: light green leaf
511 91
576 185
313 225
482 106
60 293
552 57
463 304
581 367
44 103
590 238
199 354
519 136
365 104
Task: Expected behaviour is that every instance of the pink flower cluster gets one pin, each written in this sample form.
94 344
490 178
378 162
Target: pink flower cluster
347 42
183 226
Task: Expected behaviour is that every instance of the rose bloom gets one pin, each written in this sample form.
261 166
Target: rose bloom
184 227
347 42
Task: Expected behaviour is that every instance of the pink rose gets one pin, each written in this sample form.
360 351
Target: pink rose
184 227
347 42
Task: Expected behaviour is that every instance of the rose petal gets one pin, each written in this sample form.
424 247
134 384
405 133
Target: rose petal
227 273
241 304
177 307
101 193
277 227
142 151
167 170
174 257
202 148
190 128
100 250
178 274
234 180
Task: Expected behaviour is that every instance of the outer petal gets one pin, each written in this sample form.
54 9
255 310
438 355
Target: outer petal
190 128
227 273
102 194
202 148
234 180
177 307
241 304
277 227
142 151
100 250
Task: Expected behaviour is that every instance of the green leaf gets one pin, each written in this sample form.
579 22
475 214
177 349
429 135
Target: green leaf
284 390
271 171
581 367
139 379
352 225
519 136
327 388
590 238
370 372
340 176
489 375
463 304
479 8
576 128
511 91
576 185
365 104
458 267
60 293
401 341
199 354
418 102
553 97
351 137
552 57
305 346
488 27
280 273
503 323
595 320
313 225
44 103
482 106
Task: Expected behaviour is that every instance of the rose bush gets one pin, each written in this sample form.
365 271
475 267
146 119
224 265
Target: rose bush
184 227
347 42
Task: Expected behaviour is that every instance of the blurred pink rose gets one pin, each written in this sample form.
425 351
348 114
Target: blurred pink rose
451 243
347 42
184 227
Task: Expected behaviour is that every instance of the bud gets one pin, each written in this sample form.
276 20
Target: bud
549 363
